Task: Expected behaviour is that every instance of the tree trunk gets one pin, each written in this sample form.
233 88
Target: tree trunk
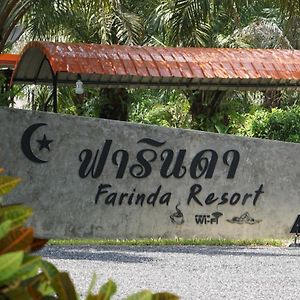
205 103
114 104
272 99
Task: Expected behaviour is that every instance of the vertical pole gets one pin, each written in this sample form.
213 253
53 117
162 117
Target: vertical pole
55 93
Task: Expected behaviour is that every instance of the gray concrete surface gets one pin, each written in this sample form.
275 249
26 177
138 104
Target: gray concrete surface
193 272
88 177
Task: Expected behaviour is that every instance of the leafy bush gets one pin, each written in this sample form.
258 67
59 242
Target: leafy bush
278 124
4 96
24 276
228 118
168 108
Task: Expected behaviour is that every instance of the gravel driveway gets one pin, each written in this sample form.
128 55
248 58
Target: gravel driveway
192 272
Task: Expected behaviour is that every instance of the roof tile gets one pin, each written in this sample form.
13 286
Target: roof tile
168 65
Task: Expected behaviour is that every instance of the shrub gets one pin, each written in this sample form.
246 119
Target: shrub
24 276
278 124
4 95
168 108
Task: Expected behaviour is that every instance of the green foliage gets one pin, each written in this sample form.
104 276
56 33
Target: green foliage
9 265
27 277
92 21
182 23
4 96
10 14
166 22
141 8
167 242
159 114
44 19
203 22
7 93
290 99
7 183
228 117
278 124
147 295
164 108
244 115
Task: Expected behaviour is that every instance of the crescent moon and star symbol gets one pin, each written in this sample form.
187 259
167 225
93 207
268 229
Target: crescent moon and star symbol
43 143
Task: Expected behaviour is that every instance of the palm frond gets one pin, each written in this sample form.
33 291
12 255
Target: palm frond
11 13
129 28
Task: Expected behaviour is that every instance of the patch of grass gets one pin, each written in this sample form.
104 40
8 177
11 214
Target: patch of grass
169 242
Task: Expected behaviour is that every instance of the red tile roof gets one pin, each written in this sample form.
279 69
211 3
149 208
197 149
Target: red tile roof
8 60
141 66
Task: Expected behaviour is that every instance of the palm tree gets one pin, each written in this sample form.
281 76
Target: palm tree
181 22
192 23
44 19
11 12
103 22
204 23
195 23
31 15
89 21
92 21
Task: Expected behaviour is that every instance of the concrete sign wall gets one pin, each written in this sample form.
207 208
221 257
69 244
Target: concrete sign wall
99 178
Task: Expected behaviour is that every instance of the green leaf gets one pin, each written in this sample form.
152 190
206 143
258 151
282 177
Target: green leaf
29 267
17 213
108 289
143 295
35 282
46 290
105 292
222 128
95 297
10 264
5 227
7 183
49 270
64 287
19 293
92 284
147 295
17 240
165 296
